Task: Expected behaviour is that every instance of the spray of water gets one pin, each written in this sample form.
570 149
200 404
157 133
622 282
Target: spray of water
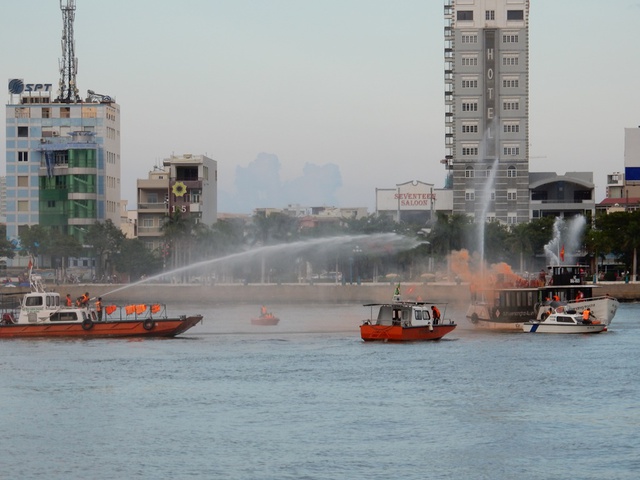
387 242
566 235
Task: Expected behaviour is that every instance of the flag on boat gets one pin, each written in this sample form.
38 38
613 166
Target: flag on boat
30 264
562 254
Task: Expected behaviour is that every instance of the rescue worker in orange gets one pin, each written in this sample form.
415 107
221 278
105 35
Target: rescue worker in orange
83 301
586 314
69 302
263 310
99 308
436 313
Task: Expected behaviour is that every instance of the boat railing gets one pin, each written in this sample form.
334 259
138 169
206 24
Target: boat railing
138 311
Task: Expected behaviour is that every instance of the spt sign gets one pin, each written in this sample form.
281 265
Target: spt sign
17 86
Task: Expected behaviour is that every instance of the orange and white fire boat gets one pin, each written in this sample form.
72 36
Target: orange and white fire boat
402 321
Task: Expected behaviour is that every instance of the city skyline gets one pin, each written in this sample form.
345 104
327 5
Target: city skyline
343 95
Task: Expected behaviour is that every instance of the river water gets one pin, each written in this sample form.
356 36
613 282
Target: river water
307 399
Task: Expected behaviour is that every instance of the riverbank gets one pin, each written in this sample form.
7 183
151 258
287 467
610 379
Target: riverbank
267 293
298 293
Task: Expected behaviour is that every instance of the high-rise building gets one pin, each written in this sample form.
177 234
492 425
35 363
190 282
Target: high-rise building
62 152
487 108
62 159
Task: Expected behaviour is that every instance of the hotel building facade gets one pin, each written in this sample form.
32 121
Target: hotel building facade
487 108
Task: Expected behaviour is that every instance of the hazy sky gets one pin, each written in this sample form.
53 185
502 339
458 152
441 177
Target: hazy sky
321 101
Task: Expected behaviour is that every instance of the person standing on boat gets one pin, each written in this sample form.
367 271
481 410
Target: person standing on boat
436 314
69 302
579 296
263 310
83 301
99 308
586 314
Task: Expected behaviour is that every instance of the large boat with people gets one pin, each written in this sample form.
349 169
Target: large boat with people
405 321
41 313
511 302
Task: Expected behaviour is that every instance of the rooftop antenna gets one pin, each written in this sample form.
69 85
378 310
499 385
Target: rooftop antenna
67 89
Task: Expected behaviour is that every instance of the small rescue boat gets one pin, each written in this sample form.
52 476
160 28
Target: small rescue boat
266 318
42 314
401 321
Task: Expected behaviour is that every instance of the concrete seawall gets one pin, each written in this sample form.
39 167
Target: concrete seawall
268 293
298 293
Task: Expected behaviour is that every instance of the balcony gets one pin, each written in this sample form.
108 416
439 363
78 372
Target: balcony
161 207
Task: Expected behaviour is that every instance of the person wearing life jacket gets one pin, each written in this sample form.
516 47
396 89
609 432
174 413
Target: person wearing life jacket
263 310
436 314
579 296
83 301
99 308
586 314
69 302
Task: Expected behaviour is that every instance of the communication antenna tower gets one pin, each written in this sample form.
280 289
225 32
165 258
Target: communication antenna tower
67 89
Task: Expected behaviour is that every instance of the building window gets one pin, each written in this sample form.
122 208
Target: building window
23 131
23 156
509 38
469 151
511 150
469 83
510 82
51 204
470 195
469 128
469 60
65 112
513 104
46 112
470 106
89 112
490 15
468 172
510 60
511 172
493 195
23 181
512 194
515 14
23 205
465 15
22 112
469 38
512 218
511 127
147 222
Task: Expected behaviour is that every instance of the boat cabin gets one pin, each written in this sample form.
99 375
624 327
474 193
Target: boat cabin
404 314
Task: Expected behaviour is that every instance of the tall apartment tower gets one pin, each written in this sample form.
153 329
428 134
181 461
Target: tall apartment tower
487 108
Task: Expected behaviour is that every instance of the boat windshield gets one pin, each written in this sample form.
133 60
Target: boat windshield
33 301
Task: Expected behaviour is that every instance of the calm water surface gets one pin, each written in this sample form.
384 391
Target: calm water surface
307 399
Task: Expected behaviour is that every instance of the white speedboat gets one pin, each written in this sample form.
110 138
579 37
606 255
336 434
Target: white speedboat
564 322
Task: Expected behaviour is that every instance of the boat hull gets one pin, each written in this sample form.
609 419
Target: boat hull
265 321
534 327
164 327
398 333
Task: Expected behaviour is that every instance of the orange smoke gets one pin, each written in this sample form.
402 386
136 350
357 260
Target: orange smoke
470 269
